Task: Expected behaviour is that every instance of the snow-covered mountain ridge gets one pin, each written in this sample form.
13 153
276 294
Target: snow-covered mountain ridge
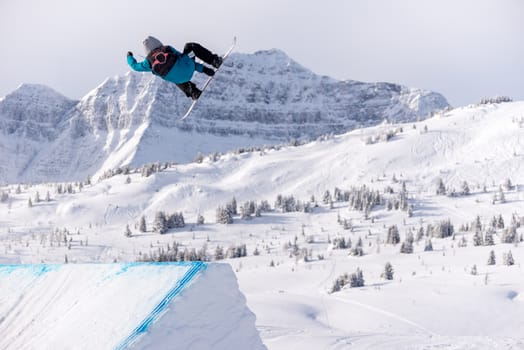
256 99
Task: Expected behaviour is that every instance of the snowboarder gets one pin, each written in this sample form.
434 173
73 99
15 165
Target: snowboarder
174 66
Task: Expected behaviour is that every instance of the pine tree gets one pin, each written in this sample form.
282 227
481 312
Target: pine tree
407 245
356 279
508 259
29 203
128 232
477 239
393 235
142 225
388 272
441 189
47 197
465 188
491 259
474 270
224 215
429 246
200 220
219 253
160 223
488 237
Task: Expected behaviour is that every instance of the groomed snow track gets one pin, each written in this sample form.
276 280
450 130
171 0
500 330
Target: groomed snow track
124 306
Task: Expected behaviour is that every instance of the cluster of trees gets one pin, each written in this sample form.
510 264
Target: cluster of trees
484 234
345 243
225 214
288 204
507 258
384 136
465 190
173 253
145 170
164 222
496 99
356 279
233 252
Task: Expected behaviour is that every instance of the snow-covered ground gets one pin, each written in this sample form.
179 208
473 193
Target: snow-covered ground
433 301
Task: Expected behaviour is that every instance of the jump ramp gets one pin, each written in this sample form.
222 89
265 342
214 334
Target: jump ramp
124 306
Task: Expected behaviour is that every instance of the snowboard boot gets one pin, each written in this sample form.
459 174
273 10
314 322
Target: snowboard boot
217 61
190 90
208 71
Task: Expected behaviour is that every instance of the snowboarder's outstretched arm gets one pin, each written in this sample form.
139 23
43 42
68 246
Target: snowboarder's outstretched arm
138 66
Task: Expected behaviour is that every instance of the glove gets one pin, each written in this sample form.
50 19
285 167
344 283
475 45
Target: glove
129 53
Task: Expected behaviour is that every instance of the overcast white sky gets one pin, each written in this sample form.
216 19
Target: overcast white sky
465 49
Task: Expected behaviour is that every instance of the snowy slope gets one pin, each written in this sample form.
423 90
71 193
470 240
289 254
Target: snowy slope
118 306
256 99
434 301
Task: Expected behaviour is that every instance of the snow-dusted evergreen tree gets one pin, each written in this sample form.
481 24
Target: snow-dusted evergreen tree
441 188
142 224
160 223
356 279
465 188
477 225
474 270
47 197
407 245
224 215
175 220
128 232
232 206
507 259
488 237
443 229
491 259
200 220
357 250
477 239
247 210
219 253
18 189
509 235
29 203
429 246
393 236
508 185
339 243
4 196
463 242
500 222
339 283
420 234
501 196
37 197
326 199
388 271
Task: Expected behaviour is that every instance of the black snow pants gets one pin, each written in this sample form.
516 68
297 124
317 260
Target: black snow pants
189 88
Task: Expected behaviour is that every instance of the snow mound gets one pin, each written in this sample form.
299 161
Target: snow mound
120 306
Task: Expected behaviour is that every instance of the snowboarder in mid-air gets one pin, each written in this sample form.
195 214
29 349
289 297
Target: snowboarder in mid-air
174 66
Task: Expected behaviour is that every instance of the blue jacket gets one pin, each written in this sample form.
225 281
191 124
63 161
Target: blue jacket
181 72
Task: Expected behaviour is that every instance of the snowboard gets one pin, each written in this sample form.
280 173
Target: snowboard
193 104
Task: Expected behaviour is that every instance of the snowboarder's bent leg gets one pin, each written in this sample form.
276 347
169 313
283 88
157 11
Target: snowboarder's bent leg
190 89
203 53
